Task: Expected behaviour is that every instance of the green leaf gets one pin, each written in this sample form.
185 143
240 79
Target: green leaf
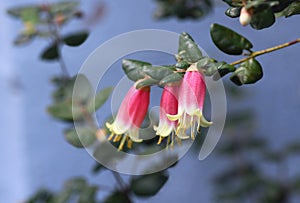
158 72
188 50
84 90
100 98
117 197
148 185
50 53
223 69
262 19
81 137
146 82
134 69
233 12
76 39
248 72
292 9
175 77
229 41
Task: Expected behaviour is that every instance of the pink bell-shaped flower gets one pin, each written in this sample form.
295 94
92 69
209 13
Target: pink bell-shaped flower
190 104
168 105
130 116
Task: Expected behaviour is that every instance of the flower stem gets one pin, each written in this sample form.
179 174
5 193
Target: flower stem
265 51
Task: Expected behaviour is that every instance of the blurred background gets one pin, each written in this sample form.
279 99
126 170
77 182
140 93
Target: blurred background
33 151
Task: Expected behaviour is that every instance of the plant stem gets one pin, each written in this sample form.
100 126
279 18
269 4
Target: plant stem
265 51
119 180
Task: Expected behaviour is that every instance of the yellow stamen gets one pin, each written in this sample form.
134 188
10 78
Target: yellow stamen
122 143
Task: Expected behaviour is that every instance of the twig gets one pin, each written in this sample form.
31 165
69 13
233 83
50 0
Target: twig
265 51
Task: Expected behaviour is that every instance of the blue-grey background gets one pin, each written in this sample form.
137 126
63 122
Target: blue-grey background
33 152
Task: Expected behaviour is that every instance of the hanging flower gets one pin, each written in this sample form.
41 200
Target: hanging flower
168 105
130 117
190 104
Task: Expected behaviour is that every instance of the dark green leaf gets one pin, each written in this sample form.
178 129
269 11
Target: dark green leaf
81 137
188 50
100 98
262 19
148 185
76 39
134 69
248 72
292 9
223 69
50 53
182 65
233 12
117 197
229 41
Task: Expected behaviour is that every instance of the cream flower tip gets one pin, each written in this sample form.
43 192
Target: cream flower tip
245 17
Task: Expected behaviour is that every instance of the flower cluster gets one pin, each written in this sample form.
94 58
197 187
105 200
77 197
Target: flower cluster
180 111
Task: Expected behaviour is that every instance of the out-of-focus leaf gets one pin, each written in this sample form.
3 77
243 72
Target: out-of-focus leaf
76 39
134 69
41 195
293 148
100 98
229 41
292 9
63 111
273 156
148 185
50 53
262 19
88 195
30 14
233 12
248 72
117 197
23 39
81 137
84 90
188 50
234 3
98 168
183 9
64 7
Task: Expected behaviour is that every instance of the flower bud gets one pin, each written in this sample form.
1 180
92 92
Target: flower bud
245 16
